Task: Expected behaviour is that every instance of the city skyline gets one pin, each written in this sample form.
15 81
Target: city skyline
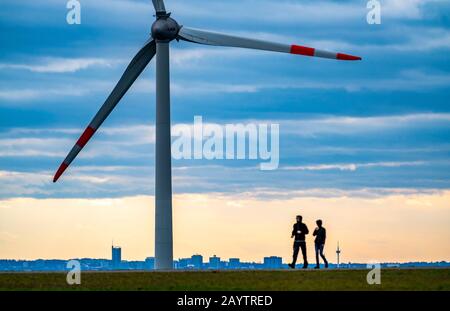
194 262
362 146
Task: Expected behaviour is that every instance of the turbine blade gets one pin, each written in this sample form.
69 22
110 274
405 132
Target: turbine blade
134 69
218 39
159 6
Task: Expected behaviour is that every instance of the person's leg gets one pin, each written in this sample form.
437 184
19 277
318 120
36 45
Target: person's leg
323 256
294 256
317 249
305 259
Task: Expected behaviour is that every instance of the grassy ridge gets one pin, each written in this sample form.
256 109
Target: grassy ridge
392 279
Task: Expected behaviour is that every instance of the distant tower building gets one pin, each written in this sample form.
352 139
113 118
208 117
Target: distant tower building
116 256
338 252
197 261
214 262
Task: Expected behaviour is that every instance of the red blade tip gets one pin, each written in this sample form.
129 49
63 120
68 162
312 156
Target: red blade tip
60 171
342 56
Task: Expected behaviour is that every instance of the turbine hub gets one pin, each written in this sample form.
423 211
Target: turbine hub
165 28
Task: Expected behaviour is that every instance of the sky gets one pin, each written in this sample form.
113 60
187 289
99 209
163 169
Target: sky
363 145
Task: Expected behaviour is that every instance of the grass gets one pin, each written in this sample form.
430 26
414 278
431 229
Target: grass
391 279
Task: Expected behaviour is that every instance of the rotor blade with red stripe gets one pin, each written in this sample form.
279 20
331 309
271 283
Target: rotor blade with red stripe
219 39
134 69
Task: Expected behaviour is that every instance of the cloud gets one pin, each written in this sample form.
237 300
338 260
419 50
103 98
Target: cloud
298 12
350 166
102 181
411 9
61 65
32 147
133 134
402 39
345 125
77 182
56 142
330 193
407 80
255 10
406 28
34 93
189 57
126 141
425 40
15 183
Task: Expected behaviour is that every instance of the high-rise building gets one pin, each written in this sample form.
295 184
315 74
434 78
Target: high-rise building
116 256
214 262
197 261
272 262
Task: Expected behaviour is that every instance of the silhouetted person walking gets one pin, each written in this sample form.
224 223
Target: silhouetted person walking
321 234
299 231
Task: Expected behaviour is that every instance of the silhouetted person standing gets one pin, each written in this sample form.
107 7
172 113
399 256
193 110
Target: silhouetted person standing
299 231
321 234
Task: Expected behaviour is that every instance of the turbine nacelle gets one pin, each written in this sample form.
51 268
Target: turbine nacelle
165 28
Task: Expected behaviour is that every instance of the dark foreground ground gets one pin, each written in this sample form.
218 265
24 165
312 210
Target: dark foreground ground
391 279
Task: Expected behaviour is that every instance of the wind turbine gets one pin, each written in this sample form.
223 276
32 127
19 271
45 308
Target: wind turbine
164 30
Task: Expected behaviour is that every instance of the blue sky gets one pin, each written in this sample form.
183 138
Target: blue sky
366 128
